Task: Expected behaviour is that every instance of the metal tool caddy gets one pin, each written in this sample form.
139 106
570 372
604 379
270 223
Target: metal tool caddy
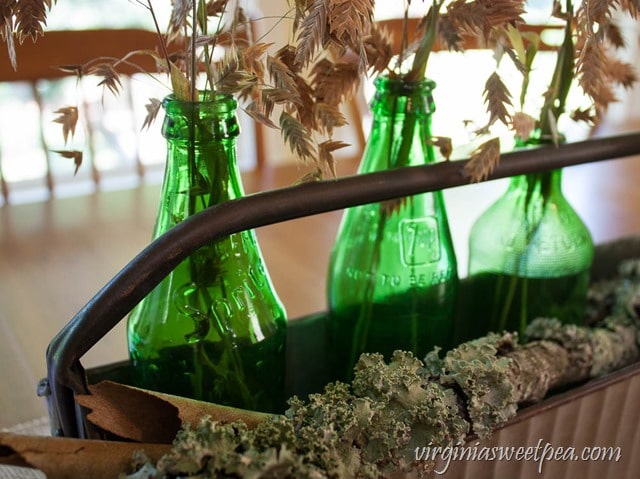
603 411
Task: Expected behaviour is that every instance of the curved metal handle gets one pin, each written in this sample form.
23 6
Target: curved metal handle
125 290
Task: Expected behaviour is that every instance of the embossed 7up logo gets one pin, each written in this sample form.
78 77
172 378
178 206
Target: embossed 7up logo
419 241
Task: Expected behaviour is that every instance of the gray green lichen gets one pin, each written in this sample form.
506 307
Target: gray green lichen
481 373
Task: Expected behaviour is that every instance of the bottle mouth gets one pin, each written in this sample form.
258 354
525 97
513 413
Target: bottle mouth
214 102
400 86
538 138
395 96
212 119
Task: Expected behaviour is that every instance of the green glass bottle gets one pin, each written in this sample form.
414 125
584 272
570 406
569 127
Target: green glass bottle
214 329
529 256
392 276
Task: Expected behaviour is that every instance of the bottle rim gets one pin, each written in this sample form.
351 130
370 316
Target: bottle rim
215 102
402 86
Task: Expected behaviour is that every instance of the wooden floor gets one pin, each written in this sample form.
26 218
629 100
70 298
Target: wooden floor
55 255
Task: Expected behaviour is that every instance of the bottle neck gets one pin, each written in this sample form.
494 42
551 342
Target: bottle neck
201 148
201 167
546 182
401 130
538 138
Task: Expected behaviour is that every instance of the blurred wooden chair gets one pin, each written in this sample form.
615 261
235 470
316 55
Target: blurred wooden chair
39 62
395 26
